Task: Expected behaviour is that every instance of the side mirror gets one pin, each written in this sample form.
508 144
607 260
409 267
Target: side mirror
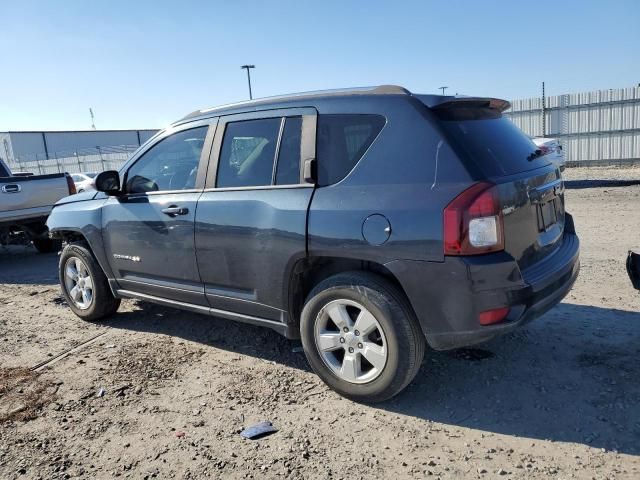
108 182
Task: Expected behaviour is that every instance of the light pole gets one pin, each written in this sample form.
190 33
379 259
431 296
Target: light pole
443 89
248 67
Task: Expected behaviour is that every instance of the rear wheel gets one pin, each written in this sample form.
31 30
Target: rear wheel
84 284
361 336
46 245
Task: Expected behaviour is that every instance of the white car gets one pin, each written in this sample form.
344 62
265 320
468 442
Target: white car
551 147
84 181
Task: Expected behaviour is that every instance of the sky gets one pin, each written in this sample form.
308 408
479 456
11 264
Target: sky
144 64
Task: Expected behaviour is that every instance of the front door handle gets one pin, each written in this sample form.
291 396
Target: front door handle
174 210
11 188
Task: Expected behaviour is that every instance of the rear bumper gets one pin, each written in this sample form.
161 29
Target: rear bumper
448 297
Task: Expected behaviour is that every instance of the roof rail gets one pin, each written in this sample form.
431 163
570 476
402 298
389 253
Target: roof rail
378 90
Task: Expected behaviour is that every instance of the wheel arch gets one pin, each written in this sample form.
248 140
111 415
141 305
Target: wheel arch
92 241
310 271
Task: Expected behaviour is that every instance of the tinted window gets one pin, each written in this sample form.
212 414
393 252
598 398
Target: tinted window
171 164
248 152
341 142
490 141
288 168
3 171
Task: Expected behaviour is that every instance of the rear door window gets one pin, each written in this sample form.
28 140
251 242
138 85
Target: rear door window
341 141
248 153
490 141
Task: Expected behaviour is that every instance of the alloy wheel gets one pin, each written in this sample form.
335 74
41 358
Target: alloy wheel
350 341
78 283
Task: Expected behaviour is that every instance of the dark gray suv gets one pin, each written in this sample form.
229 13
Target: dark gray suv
361 221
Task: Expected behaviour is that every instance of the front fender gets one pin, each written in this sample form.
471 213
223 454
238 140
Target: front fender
84 218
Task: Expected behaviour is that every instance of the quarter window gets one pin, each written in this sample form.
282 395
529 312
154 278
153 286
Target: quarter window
171 164
248 152
342 141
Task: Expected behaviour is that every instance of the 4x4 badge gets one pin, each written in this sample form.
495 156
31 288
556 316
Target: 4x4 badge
133 258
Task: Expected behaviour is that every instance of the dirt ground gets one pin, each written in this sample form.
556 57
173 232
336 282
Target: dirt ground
603 173
163 393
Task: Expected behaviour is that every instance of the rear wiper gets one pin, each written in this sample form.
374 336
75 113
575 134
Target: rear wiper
536 154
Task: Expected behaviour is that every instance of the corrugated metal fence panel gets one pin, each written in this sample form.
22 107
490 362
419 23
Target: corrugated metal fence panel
603 125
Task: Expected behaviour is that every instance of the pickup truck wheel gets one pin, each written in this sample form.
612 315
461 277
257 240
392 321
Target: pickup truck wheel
84 284
361 336
46 245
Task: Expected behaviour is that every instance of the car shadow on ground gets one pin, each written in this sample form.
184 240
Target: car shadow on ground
23 265
216 332
571 376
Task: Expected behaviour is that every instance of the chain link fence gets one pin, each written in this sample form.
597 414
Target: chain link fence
97 159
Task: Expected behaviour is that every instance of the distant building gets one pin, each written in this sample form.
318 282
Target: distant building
17 147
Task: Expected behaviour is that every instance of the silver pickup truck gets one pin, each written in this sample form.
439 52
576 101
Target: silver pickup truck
25 204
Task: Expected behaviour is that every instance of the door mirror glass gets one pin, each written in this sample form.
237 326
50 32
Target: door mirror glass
108 182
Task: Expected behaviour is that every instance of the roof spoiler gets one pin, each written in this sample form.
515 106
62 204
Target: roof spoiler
438 102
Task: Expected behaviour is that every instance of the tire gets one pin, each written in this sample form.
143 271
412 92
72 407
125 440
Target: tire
397 334
100 303
46 245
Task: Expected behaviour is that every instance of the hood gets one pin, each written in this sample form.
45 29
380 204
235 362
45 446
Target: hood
77 197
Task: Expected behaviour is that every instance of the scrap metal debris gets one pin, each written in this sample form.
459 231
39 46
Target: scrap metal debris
258 430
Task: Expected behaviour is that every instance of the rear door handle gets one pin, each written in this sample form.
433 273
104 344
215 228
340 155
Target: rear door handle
11 188
174 210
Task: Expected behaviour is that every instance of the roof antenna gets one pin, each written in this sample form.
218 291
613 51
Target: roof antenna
443 89
93 122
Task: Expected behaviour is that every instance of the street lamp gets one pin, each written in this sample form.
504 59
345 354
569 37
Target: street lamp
443 89
248 67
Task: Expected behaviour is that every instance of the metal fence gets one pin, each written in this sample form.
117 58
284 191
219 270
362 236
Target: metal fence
95 159
595 128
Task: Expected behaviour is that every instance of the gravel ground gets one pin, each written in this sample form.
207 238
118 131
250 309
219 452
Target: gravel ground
603 173
163 393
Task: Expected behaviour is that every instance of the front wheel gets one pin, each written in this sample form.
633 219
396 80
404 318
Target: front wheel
361 336
84 284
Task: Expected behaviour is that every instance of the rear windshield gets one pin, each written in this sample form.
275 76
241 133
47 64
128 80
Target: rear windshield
489 141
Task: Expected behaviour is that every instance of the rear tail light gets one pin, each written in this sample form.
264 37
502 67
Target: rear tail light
71 185
496 315
473 222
